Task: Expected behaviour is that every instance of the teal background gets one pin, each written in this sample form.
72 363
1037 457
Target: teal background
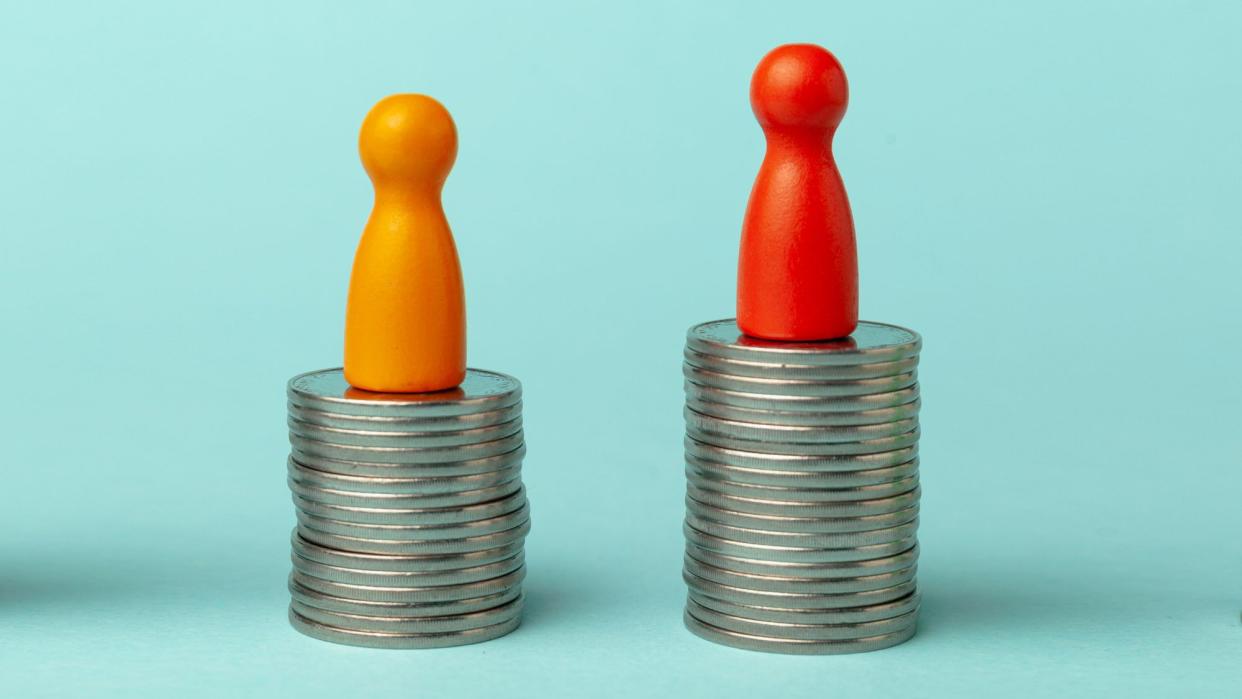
1048 191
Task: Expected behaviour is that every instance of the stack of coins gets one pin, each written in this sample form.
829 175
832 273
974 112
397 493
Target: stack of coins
802 489
411 512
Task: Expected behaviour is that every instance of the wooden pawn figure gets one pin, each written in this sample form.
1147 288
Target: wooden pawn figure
405 322
798 267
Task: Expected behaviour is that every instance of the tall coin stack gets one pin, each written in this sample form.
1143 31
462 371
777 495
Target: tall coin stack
411 512
802 489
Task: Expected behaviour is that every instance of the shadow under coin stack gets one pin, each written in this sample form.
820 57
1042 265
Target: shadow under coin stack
802 489
411 511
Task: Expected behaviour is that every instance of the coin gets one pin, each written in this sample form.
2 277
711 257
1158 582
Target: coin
404 455
843 615
801 486
413 532
846 569
408 625
787 508
431 547
798 434
813 372
787 553
375 639
860 448
431 517
799 387
796 647
372 561
436 593
376 423
798 462
799 403
443 469
480 391
507 476
406 578
869 343
404 440
801 526
795 600
351 498
804 418
764 584
801 632
319 600
849 539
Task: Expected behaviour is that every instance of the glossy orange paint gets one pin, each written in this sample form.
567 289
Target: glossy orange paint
798 267
405 322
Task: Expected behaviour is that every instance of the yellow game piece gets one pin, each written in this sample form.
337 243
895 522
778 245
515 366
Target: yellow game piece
405 323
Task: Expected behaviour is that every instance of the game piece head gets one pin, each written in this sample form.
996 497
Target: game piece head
799 85
408 140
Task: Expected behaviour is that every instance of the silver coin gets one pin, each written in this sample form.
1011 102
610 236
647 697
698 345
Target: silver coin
373 423
431 547
408 625
403 455
801 486
773 524
808 404
373 561
453 469
481 391
793 647
404 440
796 554
870 446
374 639
865 484
508 477
438 593
825 540
794 387
307 596
405 579
414 501
408 532
794 600
814 372
845 615
743 622
423 518
801 632
797 434
801 418
870 343
797 462
789 508
846 569
809 586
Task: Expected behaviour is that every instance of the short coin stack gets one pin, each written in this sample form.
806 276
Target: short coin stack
802 489
411 512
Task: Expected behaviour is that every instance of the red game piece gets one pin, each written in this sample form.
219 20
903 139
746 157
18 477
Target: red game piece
798 268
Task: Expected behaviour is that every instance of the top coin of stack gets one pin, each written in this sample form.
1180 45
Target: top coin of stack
411 512
802 489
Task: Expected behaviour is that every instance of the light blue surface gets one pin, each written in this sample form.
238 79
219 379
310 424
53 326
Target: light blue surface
1049 193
